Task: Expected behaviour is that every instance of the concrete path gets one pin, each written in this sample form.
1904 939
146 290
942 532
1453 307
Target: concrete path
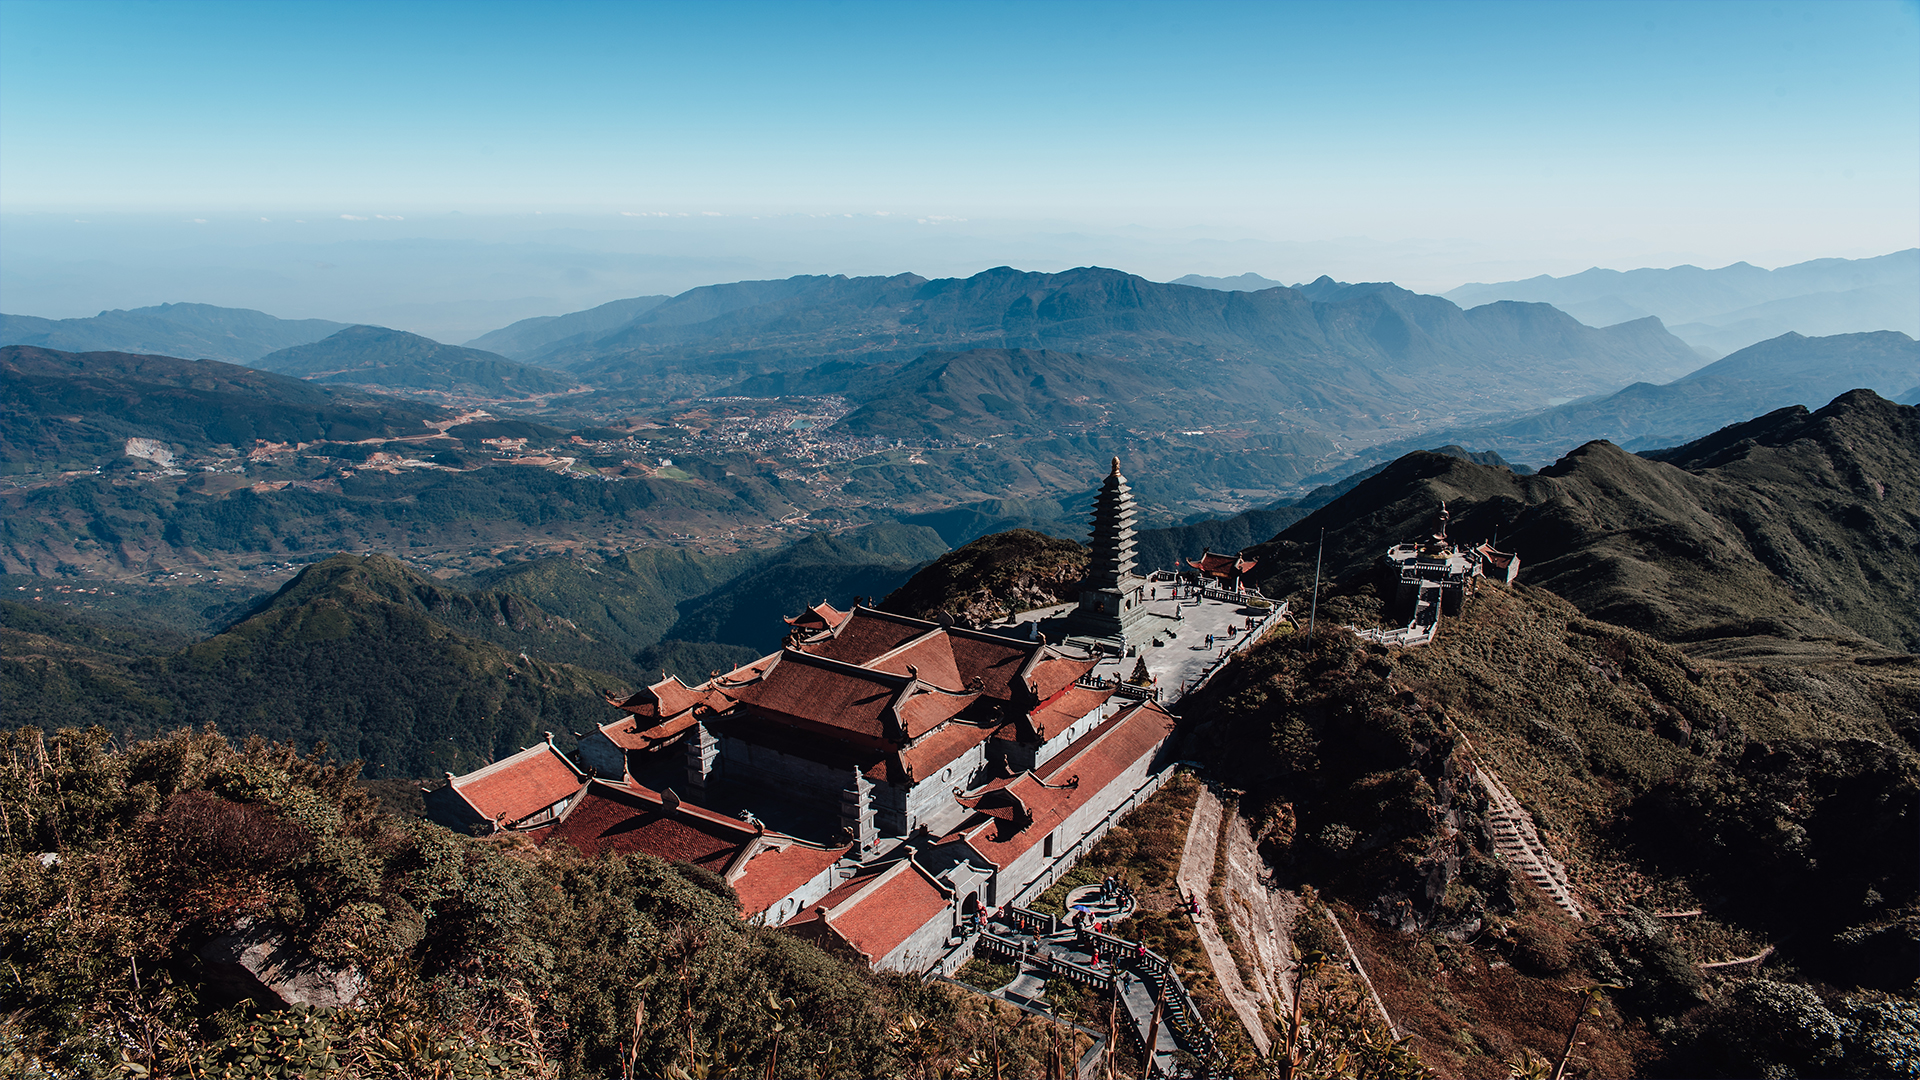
1195 880
1181 624
1136 995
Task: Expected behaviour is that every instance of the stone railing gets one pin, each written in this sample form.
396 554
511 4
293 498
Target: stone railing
1037 923
1120 687
1406 635
1179 1008
1221 592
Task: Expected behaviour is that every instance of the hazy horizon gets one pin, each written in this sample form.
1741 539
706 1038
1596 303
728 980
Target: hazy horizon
451 168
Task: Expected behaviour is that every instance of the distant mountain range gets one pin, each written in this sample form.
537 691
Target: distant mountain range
1368 355
530 337
1735 306
1788 370
377 356
1237 283
196 331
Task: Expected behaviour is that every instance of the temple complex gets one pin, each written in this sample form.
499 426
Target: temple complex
881 717
879 779
1434 577
657 716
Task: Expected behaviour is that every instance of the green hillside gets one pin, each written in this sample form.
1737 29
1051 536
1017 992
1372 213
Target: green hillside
1702 692
377 356
78 410
482 960
1787 370
1770 800
745 613
1793 531
361 653
1358 344
530 337
993 576
416 676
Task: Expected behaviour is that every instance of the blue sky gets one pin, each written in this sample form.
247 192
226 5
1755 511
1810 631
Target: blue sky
1561 133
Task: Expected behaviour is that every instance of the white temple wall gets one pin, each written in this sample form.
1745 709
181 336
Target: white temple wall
931 801
1072 837
741 760
799 899
601 757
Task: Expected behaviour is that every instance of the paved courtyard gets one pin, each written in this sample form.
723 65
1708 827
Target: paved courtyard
1179 655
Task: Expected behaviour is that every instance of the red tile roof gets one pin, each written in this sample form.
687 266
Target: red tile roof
866 633
762 866
1219 565
1065 784
1069 705
845 698
999 662
821 616
629 819
630 735
939 749
835 695
775 870
1053 674
791 739
931 657
520 785
1000 803
927 709
879 909
1106 751
666 698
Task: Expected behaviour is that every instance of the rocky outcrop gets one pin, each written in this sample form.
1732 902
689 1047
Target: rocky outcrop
261 963
987 579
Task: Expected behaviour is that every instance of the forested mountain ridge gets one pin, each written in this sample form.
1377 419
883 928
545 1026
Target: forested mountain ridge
1703 693
80 407
1787 370
1792 529
200 331
1708 812
1349 354
415 675
377 356
1726 309
362 653
530 337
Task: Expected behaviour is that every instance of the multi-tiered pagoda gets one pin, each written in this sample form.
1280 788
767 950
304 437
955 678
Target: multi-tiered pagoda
1113 608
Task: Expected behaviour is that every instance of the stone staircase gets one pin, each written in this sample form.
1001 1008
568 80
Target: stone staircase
1515 838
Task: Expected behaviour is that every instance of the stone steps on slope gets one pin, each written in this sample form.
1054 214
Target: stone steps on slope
1516 840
